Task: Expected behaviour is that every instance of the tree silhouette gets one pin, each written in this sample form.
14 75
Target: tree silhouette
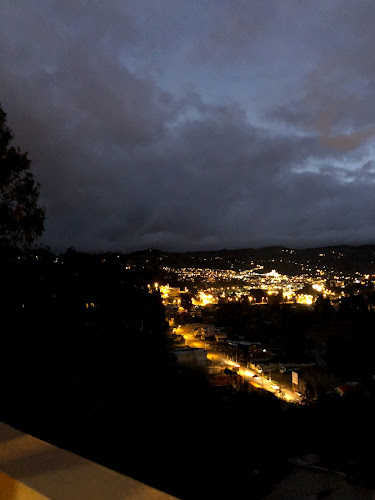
323 309
21 219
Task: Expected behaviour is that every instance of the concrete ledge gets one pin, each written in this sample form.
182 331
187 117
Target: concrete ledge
60 474
10 489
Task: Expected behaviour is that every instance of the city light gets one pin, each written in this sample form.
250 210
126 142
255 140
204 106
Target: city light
204 299
272 284
305 299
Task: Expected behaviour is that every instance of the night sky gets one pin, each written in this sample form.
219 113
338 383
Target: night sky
195 124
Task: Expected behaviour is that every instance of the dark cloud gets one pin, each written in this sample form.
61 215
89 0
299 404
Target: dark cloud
153 124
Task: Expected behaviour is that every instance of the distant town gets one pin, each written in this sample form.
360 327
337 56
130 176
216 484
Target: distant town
194 311
284 317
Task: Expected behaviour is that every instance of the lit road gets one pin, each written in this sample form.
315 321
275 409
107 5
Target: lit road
261 382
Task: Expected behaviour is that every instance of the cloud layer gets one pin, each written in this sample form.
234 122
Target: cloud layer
226 124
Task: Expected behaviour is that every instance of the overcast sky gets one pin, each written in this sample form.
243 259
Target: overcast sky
195 124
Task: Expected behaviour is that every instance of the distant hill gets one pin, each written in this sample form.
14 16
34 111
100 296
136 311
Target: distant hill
290 261
285 260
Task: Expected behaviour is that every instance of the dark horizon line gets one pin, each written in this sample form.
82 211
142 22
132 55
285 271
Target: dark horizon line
237 249
268 247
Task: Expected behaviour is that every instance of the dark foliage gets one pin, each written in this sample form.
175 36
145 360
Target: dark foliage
21 219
